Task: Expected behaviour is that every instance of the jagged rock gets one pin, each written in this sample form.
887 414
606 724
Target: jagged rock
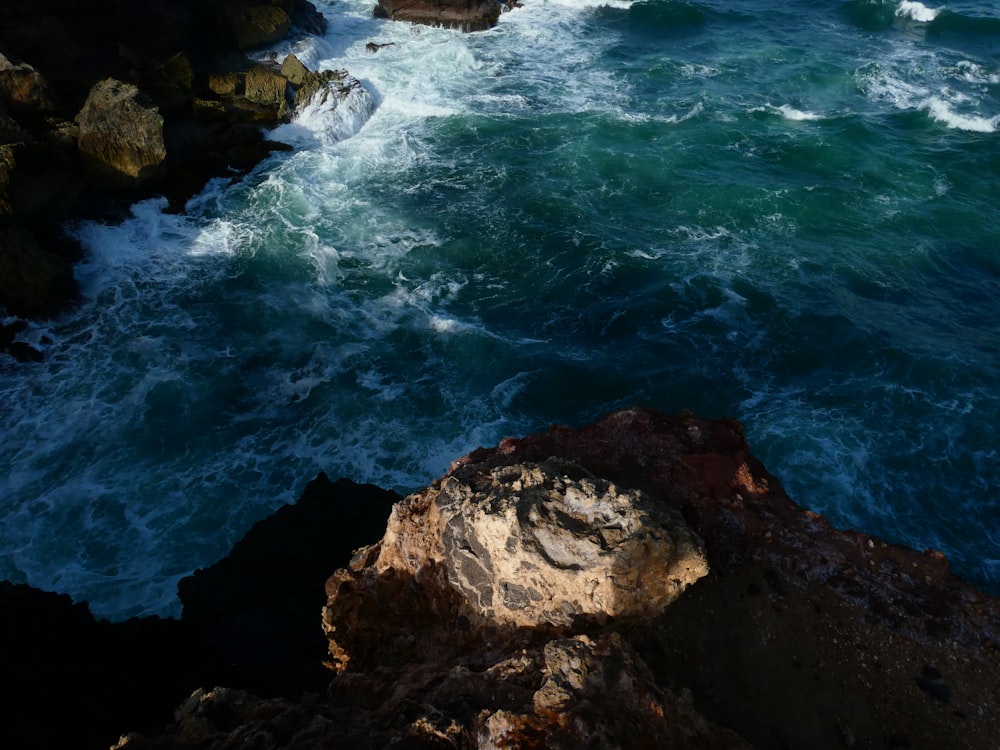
265 87
24 89
801 635
317 87
121 135
464 15
544 544
33 281
233 719
293 70
525 546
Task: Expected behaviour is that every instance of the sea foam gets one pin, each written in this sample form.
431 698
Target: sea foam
917 11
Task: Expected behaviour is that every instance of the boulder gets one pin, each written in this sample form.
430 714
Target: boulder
307 17
121 135
265 87
546 544
318 87
464 15
24 89
293 70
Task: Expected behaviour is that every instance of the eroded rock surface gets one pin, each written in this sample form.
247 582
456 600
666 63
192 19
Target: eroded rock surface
544 544
799 636
464 15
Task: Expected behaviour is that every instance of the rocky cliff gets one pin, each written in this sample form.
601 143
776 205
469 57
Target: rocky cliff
107 102
639 582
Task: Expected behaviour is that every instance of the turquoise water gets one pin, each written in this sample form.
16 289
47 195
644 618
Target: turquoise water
784 212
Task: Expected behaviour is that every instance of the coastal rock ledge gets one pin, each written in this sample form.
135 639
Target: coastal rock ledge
463 15
642 582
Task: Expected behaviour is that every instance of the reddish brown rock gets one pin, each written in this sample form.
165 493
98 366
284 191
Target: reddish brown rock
464 15
802 635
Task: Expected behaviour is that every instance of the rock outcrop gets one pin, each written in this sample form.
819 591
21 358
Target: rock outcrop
798 635
120 135
528 546
105 104
464 15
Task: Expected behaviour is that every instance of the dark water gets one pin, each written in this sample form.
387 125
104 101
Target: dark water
782 212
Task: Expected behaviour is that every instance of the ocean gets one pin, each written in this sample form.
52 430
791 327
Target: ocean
784 212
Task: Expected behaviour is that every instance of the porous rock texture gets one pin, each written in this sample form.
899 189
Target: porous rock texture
531 545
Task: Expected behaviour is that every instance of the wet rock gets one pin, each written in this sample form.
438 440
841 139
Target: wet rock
121 135
293 70
463 15
82 691
318 87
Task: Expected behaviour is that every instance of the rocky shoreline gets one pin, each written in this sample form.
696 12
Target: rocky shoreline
106 103
639 582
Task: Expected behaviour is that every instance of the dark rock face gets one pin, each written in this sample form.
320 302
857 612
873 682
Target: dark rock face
33 280
464 15
69 681
258 608
250 621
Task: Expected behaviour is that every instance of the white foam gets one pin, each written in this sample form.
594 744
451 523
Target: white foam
798 115
696 110
943 111
917 11
331 116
